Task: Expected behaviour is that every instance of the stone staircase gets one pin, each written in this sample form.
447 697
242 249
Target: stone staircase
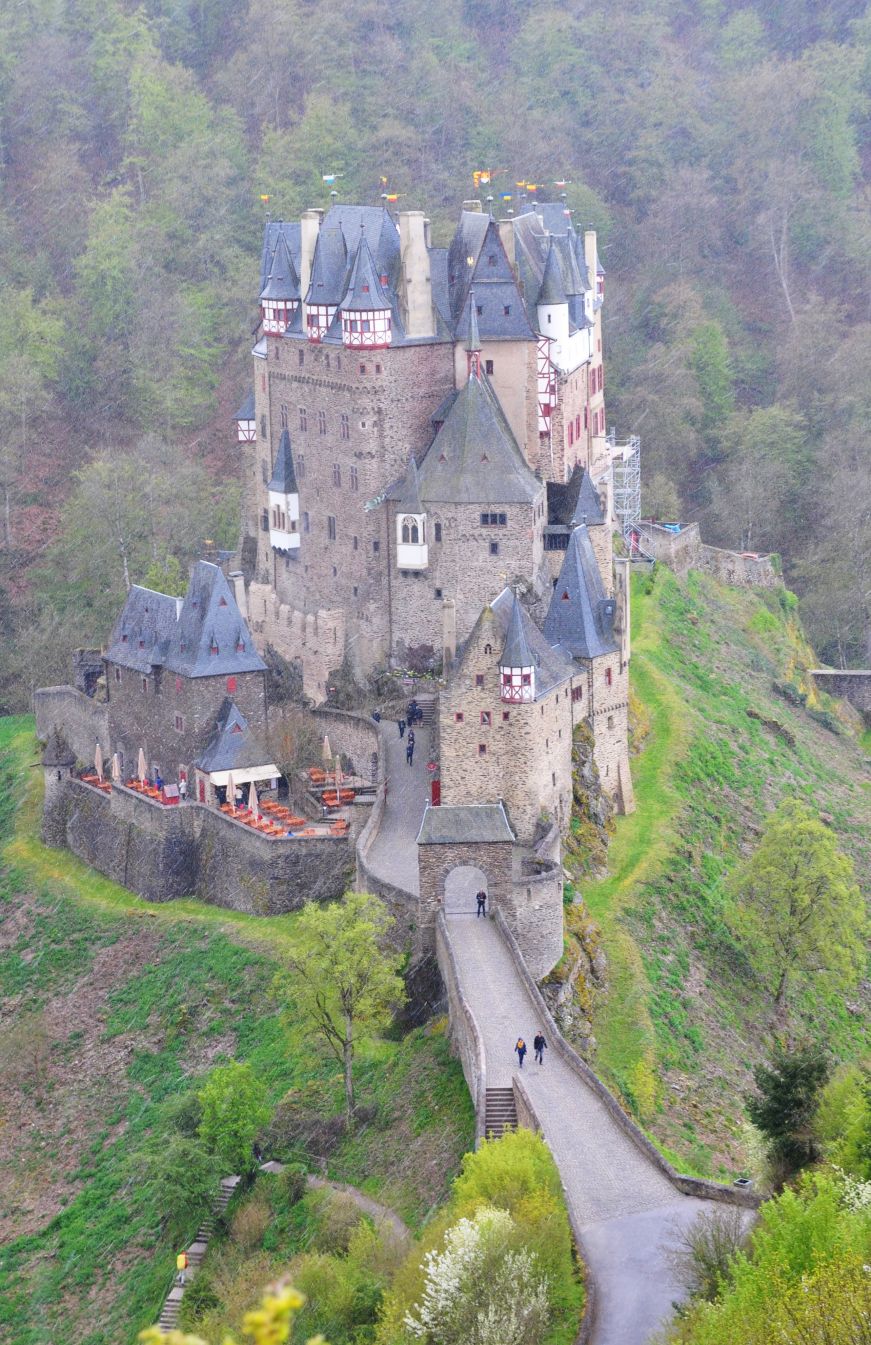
500 1112
429 709
168 1319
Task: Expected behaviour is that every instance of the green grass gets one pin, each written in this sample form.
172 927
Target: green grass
171 990
684 1018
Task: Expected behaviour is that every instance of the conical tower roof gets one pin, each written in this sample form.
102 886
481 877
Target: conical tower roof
473 342
284 474
364 292
580 617
552 288
408 498
283 282
516 652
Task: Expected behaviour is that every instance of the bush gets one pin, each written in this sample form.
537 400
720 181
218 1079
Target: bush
703 1252
785 1106
234 1110
294 1179
249 1223
842 1125
338 1217
183 1113
199 1298
184 1179
305 1122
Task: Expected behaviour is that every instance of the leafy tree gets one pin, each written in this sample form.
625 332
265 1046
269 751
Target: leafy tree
344 981
842 1124
799 912
270 1324
234 1112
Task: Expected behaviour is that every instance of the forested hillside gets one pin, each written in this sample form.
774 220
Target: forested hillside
721 150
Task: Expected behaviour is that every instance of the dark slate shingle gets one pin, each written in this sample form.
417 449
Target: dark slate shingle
580 617
232 745
246 410
210 619
283 473
476 823
474 457
143 632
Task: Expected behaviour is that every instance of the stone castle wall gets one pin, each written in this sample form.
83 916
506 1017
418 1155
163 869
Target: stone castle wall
850 684
83 722
465 1033
461 568
189 850
317 640
356 737
685 551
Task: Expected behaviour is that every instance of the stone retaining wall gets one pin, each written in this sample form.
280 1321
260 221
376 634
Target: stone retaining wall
356 737
851 684
465 1034
164 852
683 551
82 721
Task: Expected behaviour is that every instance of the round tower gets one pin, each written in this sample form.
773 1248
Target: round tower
58 763
517 662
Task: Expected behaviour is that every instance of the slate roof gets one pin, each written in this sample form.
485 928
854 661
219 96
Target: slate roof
364 292
407 493
516 652
210 618
552 289
553 666
382 234
283 473
580 617
474 457
476 823
573 502
503 315
141 636
246 410
232 745
291 230
283 282
329 268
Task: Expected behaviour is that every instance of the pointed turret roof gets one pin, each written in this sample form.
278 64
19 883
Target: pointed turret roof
283 282
283 473
364 291
408 495
144 629
211 636
329 268
516 652
246 410
580 617
575 501
57 751
474 457
232 745
552 288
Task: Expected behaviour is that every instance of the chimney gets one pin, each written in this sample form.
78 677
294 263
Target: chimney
427 233
237 579
449 632
590 255
309 226
506 233
416 289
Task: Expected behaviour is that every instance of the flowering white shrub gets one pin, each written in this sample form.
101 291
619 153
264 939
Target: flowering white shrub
855 1194
481 1290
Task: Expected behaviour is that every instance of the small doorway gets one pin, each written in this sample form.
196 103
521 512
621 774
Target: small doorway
461 888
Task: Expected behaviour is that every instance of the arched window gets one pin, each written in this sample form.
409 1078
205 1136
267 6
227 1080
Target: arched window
410 531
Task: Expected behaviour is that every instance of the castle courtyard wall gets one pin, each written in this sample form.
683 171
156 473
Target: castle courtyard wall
79 719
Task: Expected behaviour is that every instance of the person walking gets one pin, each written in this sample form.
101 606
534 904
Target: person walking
520 1048
400 723
481 899
181 1267
409 747
539 1046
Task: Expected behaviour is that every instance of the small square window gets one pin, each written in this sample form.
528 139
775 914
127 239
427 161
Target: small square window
362 368
479 308
488 365
145 684
378 368
356 543
231 685
179 724
355 590
301 358
485 718
482 749
331 527
376 546
118 675
438 532
610 721
506 715
507 310
609 677
458 717
494 548
479 679
438 592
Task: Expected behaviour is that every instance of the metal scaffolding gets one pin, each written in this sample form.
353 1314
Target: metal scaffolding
626 469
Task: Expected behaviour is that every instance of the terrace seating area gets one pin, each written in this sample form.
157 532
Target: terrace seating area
276 820
168 795
93 779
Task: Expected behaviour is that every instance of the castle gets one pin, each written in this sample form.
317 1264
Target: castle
426 429
427 484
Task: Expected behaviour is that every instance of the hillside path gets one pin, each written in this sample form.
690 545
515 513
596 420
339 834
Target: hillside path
625 1208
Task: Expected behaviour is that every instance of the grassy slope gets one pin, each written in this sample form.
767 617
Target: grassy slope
115 1005
684 1020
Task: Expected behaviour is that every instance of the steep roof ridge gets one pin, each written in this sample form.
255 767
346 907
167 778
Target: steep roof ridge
143 630
283 282
516 652
233 744
364 292
329 268
408 497
552 289
210 619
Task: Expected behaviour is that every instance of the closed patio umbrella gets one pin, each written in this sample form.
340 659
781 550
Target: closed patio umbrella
327 753
231 792
141 768
116 767
253 802
98 762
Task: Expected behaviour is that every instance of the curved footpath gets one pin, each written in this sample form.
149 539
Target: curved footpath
624 1209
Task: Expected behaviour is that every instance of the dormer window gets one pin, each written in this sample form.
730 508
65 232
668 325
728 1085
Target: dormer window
240 646
411 531
213 648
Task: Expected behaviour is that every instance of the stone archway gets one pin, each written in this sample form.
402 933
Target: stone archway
461 886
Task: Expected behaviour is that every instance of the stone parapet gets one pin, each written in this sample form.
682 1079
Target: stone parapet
850 684
356 737
465 1034
684 551
83 722
694 1186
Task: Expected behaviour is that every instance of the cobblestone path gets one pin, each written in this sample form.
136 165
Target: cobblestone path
393 856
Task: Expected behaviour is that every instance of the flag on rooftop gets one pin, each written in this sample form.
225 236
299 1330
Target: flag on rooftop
264 199
506 196
392 196
328 177
383 181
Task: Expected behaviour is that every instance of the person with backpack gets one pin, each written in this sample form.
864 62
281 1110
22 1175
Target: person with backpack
409 747
539 1046
520 1048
